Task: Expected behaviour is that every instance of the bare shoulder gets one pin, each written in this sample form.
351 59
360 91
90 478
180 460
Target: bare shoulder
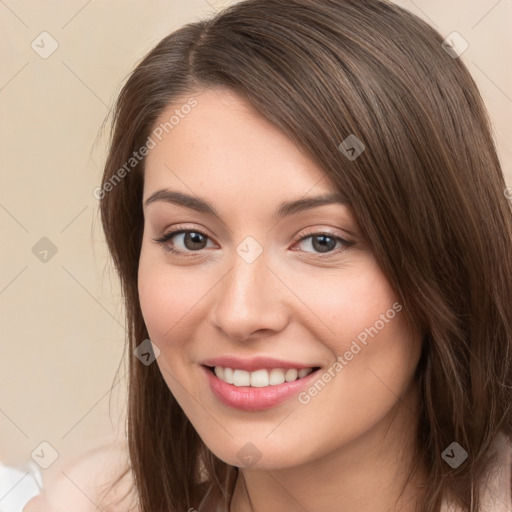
98 480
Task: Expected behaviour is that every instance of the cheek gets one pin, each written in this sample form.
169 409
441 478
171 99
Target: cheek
350 302
364 324
167 298
157 304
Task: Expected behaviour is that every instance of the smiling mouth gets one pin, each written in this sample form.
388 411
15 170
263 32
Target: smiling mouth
264 377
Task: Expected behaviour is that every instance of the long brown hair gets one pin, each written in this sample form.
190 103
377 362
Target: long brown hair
427 191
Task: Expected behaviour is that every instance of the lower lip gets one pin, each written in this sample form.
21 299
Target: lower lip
248 398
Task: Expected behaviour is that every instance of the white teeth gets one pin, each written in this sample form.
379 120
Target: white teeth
260 378
241 378
276 376
228 376
291 375
304 372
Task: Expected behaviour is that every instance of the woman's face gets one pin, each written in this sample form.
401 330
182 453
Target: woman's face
264 287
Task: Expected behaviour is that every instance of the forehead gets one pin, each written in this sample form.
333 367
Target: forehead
222 144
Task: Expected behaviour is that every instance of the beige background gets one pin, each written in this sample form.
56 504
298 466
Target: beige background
62 320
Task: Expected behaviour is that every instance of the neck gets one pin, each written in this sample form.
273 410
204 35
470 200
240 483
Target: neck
367 474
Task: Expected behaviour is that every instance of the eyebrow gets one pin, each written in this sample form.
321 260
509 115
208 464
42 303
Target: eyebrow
285 209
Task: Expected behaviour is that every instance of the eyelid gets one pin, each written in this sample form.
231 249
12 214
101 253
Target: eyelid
176 230
319 231
179 229
345 243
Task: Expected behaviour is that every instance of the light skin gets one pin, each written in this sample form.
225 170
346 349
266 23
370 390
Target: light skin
340 451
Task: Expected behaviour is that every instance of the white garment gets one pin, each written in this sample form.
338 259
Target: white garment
18 486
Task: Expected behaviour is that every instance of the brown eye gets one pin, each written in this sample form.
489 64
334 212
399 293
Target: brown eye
184 240
323 243
194 241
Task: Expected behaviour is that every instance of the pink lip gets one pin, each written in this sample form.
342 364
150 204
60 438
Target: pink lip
249 398
254 363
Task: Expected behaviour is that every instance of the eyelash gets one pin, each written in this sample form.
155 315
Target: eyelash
345 244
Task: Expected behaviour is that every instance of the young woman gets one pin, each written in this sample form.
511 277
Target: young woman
307 213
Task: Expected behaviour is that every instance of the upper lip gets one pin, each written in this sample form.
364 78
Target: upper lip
253 363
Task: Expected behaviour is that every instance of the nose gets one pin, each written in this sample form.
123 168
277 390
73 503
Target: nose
250 301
